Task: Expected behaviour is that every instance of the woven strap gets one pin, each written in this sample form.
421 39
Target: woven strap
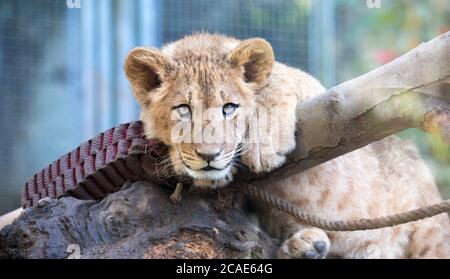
97 167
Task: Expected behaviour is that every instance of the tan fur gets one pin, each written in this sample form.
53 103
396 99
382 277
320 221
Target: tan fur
383 178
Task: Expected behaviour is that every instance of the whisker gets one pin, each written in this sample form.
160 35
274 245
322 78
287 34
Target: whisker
225 158
240 165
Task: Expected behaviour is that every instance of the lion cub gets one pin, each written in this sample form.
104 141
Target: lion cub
194 88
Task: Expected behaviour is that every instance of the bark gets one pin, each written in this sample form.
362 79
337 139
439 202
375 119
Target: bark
412 91
140 222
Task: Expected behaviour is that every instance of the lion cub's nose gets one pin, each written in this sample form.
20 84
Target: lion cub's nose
208 157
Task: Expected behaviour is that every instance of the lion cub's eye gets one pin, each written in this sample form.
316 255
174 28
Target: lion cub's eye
229 109
184 111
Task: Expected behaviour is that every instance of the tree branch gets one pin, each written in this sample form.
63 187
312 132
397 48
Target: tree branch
412 91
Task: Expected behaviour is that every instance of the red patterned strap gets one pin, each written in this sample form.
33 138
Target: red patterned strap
99 166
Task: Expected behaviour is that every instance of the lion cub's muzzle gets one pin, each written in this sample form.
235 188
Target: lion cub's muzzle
211 164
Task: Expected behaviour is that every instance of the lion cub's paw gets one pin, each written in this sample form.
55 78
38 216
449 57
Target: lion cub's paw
270 162
263 162
305 244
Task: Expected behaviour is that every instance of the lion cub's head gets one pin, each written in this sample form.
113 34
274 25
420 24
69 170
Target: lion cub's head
192 93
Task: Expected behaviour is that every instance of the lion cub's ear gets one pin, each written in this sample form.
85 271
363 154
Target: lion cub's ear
257 58
146 69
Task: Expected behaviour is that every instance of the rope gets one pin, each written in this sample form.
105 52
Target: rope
101 165
343 225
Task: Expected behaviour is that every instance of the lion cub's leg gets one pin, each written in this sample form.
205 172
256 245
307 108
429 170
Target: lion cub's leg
306 243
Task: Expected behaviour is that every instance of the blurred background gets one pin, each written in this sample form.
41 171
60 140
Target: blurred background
61 62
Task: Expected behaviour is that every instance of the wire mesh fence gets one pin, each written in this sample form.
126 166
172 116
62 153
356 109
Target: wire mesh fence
61 76
61 66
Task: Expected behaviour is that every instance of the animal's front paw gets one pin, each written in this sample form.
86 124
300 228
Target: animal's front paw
305 244
258 162
270 162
